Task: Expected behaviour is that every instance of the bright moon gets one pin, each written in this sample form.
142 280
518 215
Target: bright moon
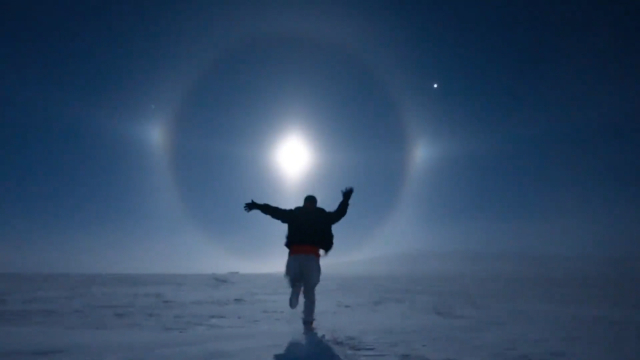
293 156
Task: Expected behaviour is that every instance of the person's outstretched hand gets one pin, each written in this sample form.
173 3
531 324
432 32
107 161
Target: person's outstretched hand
250 206
346 193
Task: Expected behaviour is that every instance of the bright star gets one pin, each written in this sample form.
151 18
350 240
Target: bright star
293 157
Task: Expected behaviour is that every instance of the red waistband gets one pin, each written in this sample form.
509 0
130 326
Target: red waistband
304 250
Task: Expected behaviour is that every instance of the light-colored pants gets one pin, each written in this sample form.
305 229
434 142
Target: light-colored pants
303 273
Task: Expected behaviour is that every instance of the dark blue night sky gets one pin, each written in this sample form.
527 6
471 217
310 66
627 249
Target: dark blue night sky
134 131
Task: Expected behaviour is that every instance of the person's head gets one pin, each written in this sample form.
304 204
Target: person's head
310 201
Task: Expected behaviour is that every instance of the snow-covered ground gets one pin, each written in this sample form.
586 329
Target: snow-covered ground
237 316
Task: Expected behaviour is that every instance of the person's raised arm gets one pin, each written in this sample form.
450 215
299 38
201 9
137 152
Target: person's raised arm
342 208
277 213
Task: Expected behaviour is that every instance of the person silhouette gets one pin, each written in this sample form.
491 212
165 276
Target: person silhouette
309 231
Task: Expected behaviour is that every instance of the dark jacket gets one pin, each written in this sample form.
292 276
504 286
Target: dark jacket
308 226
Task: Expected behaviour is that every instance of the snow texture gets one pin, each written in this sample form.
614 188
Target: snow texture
238 316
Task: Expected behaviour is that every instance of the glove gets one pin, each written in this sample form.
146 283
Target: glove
346 193
250 206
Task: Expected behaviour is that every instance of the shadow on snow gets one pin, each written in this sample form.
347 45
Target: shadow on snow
313 348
